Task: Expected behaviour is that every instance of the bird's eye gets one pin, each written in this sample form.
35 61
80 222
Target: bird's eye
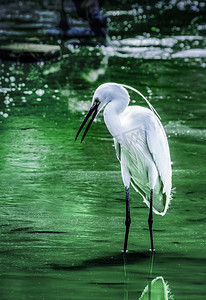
97 101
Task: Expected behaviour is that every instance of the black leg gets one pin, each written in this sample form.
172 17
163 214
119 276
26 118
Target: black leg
150 220
128 219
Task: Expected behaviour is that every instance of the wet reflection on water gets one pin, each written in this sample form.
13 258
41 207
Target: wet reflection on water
156 288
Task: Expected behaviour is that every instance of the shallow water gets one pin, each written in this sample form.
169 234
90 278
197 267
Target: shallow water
62 203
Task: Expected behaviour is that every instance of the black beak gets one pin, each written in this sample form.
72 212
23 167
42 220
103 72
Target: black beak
93 110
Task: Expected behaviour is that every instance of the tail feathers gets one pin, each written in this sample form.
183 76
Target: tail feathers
161 200
160 205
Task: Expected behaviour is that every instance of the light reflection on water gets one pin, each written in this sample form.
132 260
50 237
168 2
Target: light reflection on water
62 204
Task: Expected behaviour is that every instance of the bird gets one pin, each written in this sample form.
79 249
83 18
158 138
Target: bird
141 147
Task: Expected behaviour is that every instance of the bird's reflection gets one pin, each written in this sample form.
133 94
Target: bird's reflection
156 288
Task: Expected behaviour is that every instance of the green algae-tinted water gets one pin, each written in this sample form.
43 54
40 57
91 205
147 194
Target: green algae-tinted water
62 203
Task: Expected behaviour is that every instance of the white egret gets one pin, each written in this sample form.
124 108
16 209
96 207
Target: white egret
141 146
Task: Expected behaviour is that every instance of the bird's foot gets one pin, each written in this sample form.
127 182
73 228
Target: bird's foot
123 251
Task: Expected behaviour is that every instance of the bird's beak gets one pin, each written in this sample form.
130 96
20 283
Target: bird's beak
94 110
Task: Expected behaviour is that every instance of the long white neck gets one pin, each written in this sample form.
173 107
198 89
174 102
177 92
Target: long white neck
112 121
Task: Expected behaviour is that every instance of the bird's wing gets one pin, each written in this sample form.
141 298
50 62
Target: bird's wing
158 146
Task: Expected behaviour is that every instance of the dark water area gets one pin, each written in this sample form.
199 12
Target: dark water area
62 206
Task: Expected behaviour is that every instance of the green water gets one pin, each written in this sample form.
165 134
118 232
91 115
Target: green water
62 203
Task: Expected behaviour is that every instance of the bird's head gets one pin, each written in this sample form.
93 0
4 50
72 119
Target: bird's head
104 94
111 92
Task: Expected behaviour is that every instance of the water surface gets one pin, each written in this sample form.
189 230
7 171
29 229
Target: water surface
62 203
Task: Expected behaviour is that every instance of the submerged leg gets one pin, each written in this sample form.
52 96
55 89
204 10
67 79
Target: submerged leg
128 219
150 220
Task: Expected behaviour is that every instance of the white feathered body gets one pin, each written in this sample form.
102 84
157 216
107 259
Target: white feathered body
144 153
